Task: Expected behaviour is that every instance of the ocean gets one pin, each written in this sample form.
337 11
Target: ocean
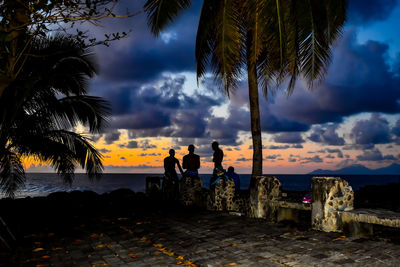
42 184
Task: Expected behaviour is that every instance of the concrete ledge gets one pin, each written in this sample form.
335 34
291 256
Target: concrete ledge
372 216
294 205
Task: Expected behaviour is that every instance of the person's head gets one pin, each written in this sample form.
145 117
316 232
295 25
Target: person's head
191 148
172 152
214 145
231 169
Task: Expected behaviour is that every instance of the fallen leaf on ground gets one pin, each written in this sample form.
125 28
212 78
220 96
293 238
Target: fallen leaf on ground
55 249
104 245
122 219
232 264
51 234
339 238
94 236
181 242
45 257
38 249
133 255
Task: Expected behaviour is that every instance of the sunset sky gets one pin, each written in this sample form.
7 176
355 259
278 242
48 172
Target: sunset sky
352 117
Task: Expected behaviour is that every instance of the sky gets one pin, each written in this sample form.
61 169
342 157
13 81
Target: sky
352 117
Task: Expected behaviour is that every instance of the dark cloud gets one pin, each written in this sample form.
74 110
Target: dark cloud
396 129
367 11
104 150
359 80
132 144
326 135
274 156
284 146
243 159
289 137
145 144
373 131
315 159
337 151
149 154
374 155
165 110
111 137
143 57
292 160
358 147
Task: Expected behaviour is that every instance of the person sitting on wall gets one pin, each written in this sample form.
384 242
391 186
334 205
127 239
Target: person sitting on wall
235 177
170 186
191 163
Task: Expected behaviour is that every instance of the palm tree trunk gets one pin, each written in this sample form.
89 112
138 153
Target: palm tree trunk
255 118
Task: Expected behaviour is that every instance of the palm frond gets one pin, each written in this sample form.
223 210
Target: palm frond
227 57
12 175
206 35
161 12
255 24
87 110
336 13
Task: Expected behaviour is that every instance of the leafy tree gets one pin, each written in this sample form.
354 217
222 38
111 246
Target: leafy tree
40 109
33 18
271 39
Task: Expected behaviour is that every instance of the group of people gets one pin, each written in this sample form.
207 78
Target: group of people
191 165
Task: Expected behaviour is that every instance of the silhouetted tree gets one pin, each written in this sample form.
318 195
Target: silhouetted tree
271 39
40 109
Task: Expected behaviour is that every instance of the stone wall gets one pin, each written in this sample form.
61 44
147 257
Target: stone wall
190 189
264 195
330 195
153 185
221 197
332 206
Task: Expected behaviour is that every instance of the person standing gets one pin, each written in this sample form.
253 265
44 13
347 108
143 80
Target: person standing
170 186
218 155
191 162
169 165
218 171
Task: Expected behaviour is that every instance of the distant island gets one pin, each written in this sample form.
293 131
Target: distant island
393 169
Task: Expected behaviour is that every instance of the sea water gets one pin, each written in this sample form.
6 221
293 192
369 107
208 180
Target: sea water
42 184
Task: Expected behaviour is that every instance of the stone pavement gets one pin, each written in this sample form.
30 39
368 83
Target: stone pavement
200 239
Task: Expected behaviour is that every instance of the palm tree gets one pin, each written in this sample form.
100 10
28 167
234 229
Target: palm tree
39 111
271 39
